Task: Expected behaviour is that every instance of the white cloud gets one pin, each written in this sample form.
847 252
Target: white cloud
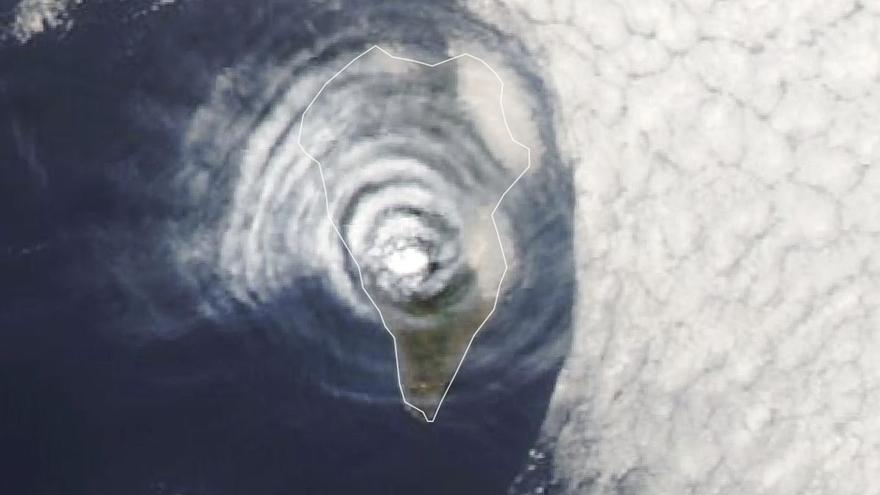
33 17
728 322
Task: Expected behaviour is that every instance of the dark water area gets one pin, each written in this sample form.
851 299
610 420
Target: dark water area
111 379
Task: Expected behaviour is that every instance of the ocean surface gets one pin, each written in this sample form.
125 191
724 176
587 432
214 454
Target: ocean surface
691 304
174 321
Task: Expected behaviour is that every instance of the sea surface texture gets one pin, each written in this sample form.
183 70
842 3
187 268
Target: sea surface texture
692 300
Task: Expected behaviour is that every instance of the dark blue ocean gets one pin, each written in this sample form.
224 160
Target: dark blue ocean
113 377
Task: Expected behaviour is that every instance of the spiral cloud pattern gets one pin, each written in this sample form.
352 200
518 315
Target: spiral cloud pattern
414 162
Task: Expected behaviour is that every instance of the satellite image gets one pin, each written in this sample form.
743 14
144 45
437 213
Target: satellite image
436 247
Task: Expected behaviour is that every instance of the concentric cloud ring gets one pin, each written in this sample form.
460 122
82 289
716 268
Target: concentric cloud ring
413 260
411 198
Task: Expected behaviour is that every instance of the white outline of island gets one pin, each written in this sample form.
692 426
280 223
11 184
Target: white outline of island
494 224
